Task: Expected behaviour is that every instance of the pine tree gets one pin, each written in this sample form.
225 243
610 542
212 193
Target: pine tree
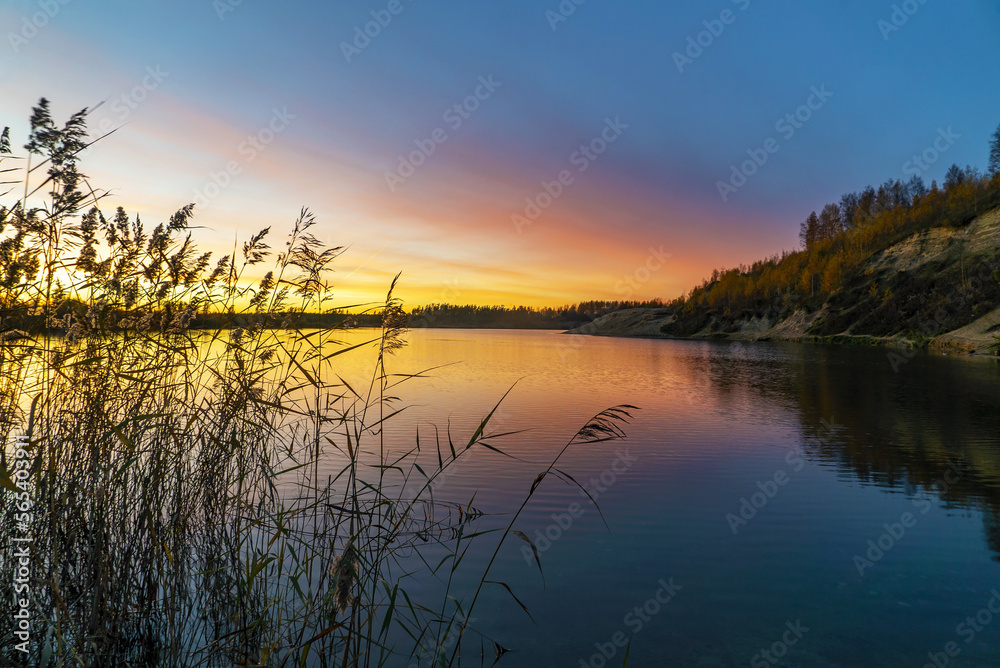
995 153
809 231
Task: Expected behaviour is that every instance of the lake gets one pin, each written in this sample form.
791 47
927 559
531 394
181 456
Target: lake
774 504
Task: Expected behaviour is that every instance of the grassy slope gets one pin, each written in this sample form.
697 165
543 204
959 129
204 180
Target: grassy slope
938 286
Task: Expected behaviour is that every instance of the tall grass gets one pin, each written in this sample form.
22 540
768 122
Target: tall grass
220 497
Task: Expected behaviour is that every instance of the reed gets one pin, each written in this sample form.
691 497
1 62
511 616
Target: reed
183 508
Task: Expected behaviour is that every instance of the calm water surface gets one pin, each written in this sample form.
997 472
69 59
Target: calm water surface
757 476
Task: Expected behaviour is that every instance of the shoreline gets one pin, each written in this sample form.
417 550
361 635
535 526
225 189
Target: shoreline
975 339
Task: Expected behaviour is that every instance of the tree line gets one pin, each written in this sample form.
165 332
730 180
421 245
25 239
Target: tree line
837 241
519 317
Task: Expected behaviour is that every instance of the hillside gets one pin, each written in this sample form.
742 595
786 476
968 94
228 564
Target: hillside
938 287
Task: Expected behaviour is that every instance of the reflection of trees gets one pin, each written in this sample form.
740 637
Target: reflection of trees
902 430
991 527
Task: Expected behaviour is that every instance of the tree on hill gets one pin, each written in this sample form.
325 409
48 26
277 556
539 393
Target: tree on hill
994 167
915 187
849 205
809 231
955 176
830 221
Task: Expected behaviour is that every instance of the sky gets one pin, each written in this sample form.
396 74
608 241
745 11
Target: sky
536 152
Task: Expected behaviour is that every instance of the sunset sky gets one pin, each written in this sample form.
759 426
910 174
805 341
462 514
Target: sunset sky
331 112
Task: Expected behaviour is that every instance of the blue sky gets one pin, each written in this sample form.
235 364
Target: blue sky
231 68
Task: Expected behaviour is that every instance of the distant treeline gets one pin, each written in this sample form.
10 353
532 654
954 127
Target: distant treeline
443 315
431 316
518 317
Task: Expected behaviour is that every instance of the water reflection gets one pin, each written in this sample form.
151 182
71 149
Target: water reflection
933 426
897 429
718 417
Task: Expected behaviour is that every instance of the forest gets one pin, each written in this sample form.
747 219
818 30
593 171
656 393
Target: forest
836 244
519 317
